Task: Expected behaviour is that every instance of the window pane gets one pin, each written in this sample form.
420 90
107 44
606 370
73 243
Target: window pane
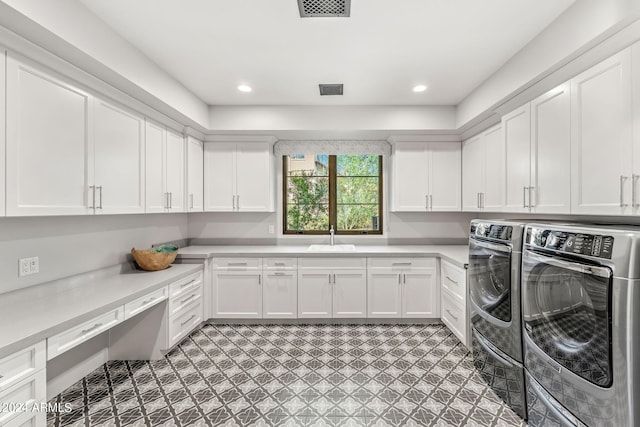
357 190
358 217
357 165
307 165
308 190
308 217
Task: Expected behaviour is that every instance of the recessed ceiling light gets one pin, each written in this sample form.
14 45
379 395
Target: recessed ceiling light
419 88
244 88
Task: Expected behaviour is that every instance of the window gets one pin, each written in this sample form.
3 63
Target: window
343 191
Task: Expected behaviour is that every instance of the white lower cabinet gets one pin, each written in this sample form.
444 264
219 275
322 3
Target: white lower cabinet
453 281
402 288
23 382
332 288
237 289
280 289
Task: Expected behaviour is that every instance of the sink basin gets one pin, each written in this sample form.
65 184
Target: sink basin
329 248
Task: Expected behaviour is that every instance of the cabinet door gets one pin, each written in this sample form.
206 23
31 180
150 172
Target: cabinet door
3 104
472 173
175 172
517 143
445 177
494 170
410 177
156 194
237 294
601 138
349 293
253 177
384 293
551 151
119 160
195 176
219 177
280 295
48 145
314 294
420 297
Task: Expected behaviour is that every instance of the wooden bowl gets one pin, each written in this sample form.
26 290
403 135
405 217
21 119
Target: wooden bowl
155 259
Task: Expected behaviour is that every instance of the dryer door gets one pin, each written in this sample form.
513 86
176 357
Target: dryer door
566 307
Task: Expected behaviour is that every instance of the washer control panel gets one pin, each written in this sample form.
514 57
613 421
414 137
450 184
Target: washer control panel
595 245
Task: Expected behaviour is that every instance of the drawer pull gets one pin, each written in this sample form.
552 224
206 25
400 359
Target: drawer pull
280 264
148 301
237 264
279 274
401 263
193 316
451 280
192 296
91 329
184 285
451 314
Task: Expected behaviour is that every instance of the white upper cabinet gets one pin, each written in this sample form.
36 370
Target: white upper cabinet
601 138
517 142
165 170
483 171
426 177
175 173
635 66
119 180
238 177
49 147
3 99
550 190
195 175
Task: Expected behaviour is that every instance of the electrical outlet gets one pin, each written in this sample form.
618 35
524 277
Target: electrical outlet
272 229
27 266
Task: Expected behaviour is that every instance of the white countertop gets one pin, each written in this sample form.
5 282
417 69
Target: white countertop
32 314
457 254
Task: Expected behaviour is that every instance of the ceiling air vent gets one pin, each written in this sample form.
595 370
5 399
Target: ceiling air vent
333 89
324 8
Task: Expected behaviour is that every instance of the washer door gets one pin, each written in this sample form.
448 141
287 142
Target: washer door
566 307
490 278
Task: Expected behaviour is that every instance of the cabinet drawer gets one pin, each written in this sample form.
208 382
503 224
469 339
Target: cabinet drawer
185 285
453 279
332 263
21 398
30 419
454 316
70 338
182 324
178 303
141 304
21 364
237 263
280 263
401 263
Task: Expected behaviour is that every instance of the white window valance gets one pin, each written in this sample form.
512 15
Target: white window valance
286 147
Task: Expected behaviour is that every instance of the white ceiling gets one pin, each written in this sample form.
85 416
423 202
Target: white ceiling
384 49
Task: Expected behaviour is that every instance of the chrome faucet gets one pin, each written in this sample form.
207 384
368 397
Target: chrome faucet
331 235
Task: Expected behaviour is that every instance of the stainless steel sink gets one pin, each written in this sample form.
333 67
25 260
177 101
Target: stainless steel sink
330 248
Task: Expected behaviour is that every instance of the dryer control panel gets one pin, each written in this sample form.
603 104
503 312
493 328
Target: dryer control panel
595 245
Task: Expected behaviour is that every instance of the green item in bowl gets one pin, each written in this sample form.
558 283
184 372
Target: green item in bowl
166 248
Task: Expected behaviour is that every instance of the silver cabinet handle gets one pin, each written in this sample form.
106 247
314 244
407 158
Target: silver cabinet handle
400 263
478 200
184 285
399 279
259 279
189 298
451 314
191 201
193 316
278 274
482 200
237 264
237 202
524 197
430 201
93 191
426 201
404 279
170 200
622 180
531 204
634 182
166 200
452 281
329 278
100 199
233 202
91 329
334 278
148 301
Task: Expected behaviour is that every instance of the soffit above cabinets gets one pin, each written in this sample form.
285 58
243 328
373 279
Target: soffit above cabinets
380 52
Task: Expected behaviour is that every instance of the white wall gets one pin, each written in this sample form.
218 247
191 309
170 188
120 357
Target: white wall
325 121
584 22
75 244
74 24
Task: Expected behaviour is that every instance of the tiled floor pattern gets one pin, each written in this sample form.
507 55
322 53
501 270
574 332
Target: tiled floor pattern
293 375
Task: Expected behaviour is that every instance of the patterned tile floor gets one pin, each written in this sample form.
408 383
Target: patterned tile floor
293 375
